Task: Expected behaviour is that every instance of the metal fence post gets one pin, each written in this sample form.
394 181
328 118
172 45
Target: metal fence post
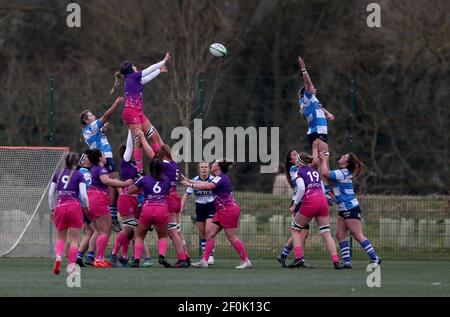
351 141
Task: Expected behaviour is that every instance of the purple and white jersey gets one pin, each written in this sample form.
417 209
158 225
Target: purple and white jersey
155 190
312 180
223 191
133 90
68 185
128 170
171 171
96 183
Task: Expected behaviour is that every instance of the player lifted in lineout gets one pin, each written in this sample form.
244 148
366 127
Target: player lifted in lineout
317 116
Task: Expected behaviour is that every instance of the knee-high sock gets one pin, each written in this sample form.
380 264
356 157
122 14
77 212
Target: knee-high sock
162 247
138 249
334 258
285 253
113 212
240 248
345 250
298 252
181 256
73 251
203 244
120 239
102 242
137 152
208 249
59 248
367 245
125 245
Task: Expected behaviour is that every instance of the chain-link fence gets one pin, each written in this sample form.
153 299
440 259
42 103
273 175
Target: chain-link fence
403 191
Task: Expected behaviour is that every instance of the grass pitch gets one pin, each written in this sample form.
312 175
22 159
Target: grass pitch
34 277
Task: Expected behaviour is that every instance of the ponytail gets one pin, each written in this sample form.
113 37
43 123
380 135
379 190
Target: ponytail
156 166
354 165
118 77
71 164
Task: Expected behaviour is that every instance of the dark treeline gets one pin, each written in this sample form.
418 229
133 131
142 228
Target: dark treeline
400 71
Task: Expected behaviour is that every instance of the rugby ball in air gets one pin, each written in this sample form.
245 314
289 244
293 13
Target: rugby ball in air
218 50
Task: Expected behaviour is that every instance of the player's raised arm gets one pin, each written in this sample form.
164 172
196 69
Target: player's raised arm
147 148
306 78
112 109
197 184
157 66
324 169
153 75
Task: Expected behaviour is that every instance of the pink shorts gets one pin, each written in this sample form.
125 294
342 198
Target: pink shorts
69 215
314 206
227 218
127 205
133 116
173 203
98 204
157 215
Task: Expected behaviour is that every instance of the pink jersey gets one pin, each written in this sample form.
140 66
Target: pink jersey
133 91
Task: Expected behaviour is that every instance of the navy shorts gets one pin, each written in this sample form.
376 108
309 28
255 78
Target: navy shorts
354 213
204 211
297 209
110 165
313 136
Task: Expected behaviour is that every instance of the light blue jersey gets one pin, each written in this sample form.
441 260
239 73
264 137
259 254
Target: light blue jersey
201 196
293 174
96 139
341 180
87 176
87 179
311 108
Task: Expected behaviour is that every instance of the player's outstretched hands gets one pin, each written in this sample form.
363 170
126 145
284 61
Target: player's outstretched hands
323 155
129 182
301 63
164 69
185 181
120 100
167 57
138 133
